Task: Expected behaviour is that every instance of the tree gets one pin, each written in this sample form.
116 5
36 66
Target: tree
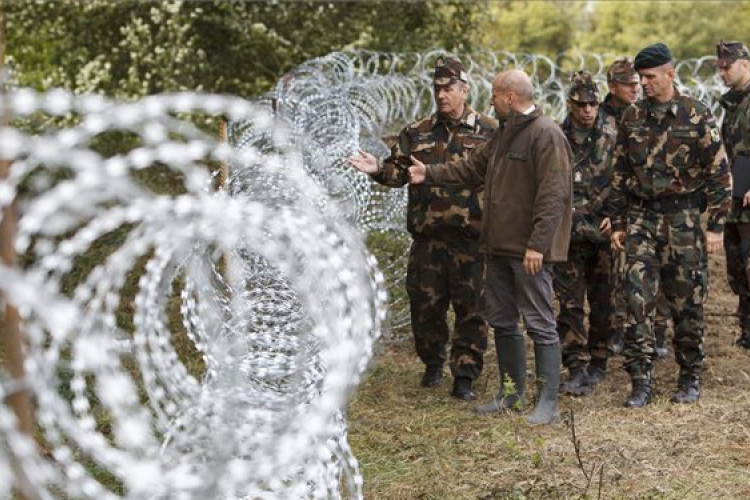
690 29
125 49
546 27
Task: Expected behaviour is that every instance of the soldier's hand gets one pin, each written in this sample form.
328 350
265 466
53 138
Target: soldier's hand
364 162
532 262
606 226
618 241
746 199
714 241
417 171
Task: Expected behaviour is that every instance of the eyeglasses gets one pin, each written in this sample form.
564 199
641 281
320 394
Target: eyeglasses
581 105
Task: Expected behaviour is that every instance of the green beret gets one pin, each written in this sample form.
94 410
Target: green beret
652 56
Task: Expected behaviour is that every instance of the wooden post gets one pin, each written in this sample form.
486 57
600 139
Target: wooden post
223 169
10 333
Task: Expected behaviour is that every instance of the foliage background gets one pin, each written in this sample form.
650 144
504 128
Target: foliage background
129 49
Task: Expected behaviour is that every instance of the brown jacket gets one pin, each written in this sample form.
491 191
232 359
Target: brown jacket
526 171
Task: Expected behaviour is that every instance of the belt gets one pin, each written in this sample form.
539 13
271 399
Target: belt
669 204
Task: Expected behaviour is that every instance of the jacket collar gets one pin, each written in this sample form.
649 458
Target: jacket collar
734 97
609 107
673 104
469 119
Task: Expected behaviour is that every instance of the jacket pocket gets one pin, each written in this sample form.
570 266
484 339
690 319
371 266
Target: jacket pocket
681 147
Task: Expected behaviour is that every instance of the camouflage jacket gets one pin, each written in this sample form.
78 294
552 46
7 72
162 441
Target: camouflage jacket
678 155
592 177
443 212
735 131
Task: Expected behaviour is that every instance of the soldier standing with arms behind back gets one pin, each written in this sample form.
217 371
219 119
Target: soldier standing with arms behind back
733 65
445 266
669 155
589 272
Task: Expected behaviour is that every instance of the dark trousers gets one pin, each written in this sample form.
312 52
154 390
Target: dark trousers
737 247
512 294
588 274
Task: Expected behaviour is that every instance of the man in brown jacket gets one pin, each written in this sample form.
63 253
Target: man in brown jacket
526 172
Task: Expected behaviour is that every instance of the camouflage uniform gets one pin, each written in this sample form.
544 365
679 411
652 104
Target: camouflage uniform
445 265
736 135
589 272
667 166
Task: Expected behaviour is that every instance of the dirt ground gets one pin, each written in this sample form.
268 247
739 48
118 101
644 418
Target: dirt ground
415 443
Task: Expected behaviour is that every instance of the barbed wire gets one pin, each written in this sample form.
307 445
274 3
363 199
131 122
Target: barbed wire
277 302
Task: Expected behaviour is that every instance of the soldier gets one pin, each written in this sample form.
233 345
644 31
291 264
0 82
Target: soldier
589 271
526 171
733 65
622 81
669 160
445 266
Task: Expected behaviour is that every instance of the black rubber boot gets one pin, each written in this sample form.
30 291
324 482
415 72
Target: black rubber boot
640 393
597 370
578 383
548 361
511 360
462 389
688 390
432 375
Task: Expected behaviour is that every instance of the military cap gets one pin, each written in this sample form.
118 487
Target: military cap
583 88
652 56
622 71
728 52
447 70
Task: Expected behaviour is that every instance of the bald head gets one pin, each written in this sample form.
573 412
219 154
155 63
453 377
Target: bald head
518 82
512 90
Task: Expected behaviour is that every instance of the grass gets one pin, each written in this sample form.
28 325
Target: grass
415 443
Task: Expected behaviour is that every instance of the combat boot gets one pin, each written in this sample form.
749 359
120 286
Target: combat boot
688 390
511 360
548 362
660 334
597 370
618 343
744 340
432 375
462 389
640 394
578 383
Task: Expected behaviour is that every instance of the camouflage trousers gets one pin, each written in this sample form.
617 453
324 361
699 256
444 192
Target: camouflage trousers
588 273
665 252
737 247
440 274
663 313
